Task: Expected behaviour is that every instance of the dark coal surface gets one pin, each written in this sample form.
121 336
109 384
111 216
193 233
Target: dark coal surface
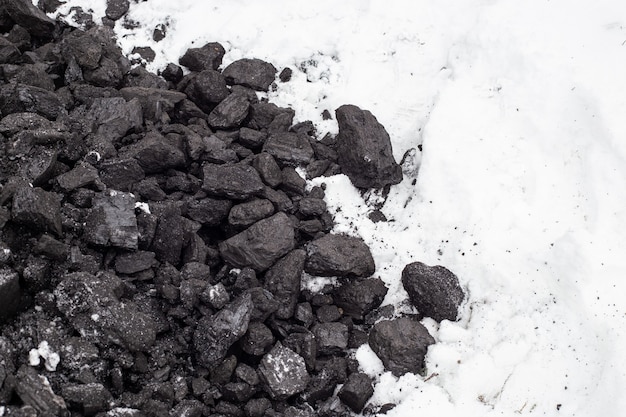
154 233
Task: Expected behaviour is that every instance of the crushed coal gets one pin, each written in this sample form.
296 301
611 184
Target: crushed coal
155 231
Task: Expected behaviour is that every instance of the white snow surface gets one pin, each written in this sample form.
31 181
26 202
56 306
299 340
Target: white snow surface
521 189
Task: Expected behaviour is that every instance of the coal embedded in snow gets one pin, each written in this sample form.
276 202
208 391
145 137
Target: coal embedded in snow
156 233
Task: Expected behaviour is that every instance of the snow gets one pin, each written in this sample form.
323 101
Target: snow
44 352
519 107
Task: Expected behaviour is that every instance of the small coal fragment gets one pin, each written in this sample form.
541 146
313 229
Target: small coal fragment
155 103
253 73
207 57
51 248
283 280
116 9
433 290
311 207
216 334
35 391
283 373
36 208
252 248
332 338
9 292
112 221
209 211
9 54
358 298
172 72
245 214
339 255
90 398
285 75
257 340
289 148
364 148
401 344
292 183
256 407
233 181
356 391
230 112
169 237
154 154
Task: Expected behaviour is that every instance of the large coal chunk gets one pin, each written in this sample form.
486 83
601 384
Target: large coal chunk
253 73
401 344
237 181
168 239
260 245
332 338
289 148
207 57
38 209
18 98
208 211
230 112
112 221
9 54
358 298
283 373
356 391
364 148
90 398
283 280
216 334
114 116
155 154
34 390
121 174
434 290
339 255
207 89
9 292
92 305
116 9
25 14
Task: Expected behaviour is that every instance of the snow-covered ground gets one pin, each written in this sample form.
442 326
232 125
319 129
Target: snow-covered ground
520 108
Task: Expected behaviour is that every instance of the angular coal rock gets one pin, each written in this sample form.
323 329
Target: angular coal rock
356 391
208 211
207 57
256 407
169 235
268 169
230 112
25 14
260 245
35 391
155 102
116 9
216 334
237 181
9 54
283 373
133 262
155 154
264 303
207 89
251 138
322 384
253 73
339 255
289 148
114 116
112 221
292 183
434 290
121 174
364 148
332 338
90 398
82 175
10 292
18 98
246 214
311 206
401 344
257 340
358 298
36 208
283 280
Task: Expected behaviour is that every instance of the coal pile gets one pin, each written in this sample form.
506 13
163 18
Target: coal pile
156 229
